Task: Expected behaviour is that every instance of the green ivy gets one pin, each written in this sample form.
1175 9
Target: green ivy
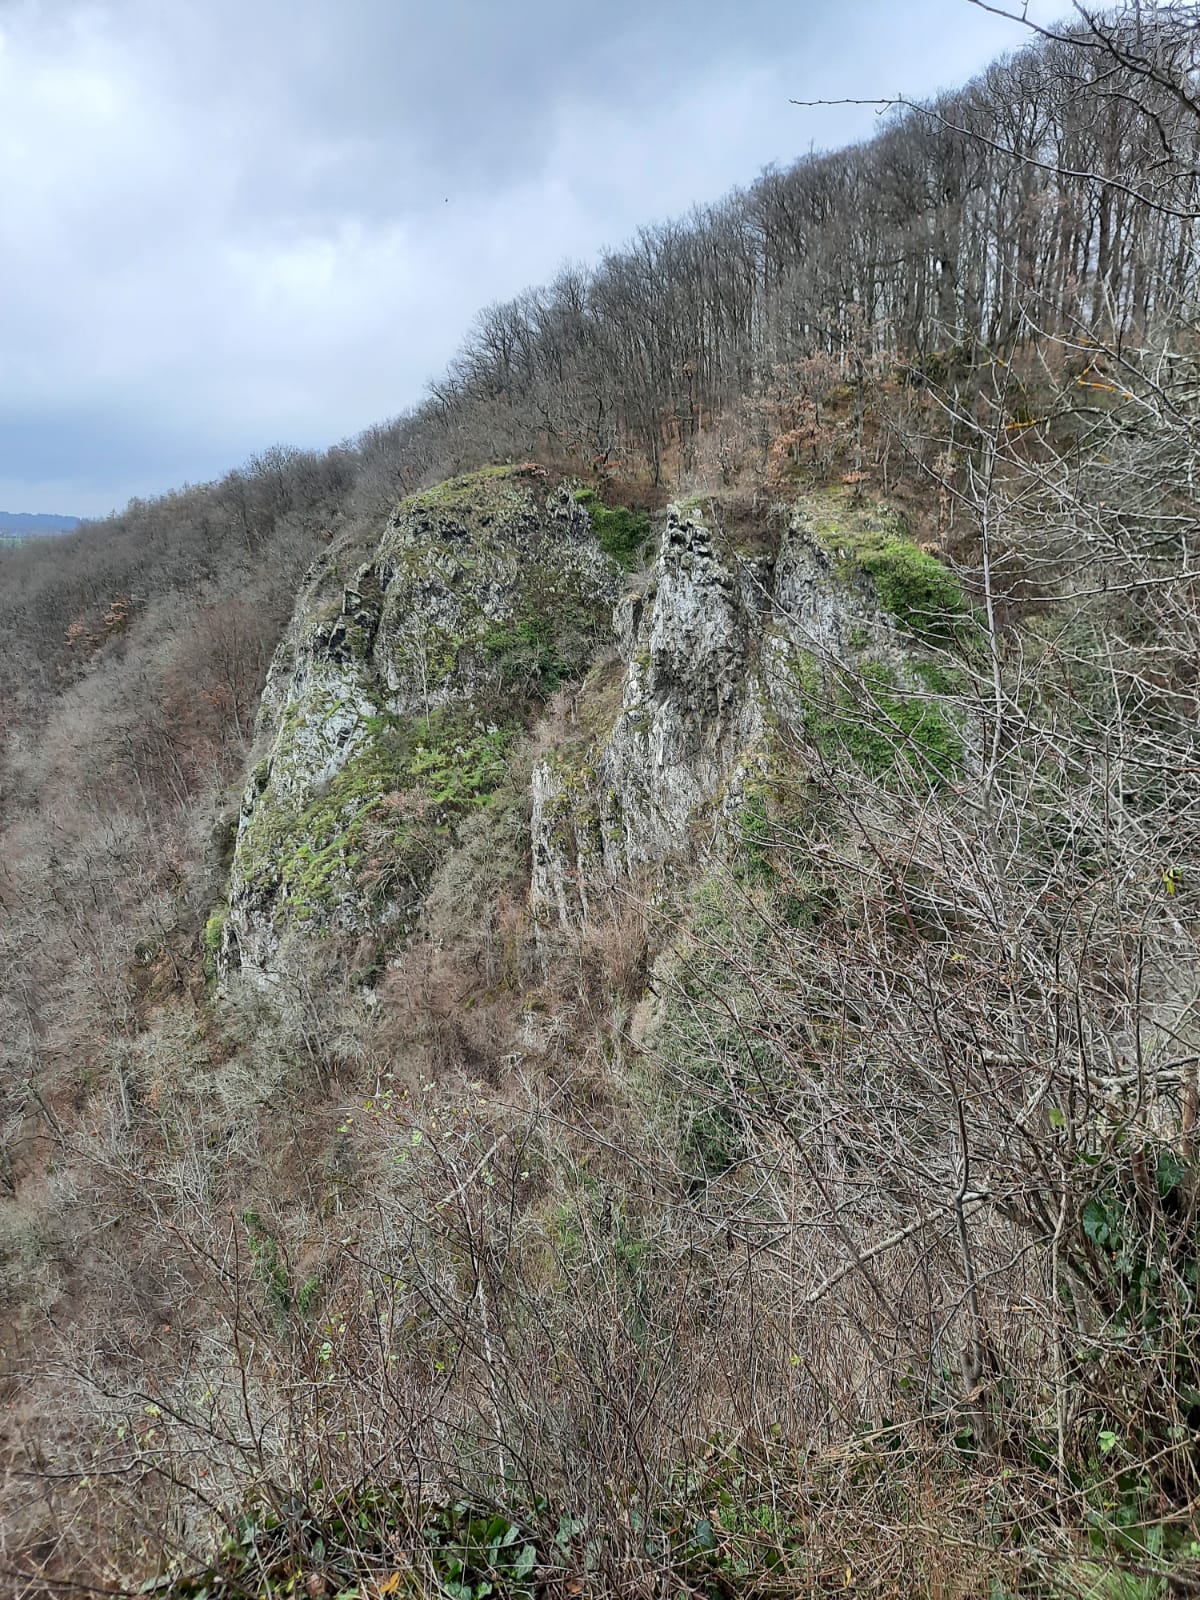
1143 1253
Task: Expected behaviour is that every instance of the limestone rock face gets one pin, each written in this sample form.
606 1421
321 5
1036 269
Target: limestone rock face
394 699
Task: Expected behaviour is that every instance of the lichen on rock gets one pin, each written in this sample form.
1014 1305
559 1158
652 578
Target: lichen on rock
405 685
394 700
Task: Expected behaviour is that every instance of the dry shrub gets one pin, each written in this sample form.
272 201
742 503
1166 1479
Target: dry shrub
436 1003
613 950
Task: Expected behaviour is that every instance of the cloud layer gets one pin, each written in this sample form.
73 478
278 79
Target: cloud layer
227 223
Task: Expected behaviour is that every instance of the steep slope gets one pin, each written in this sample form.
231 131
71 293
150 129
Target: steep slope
727 651
703 1014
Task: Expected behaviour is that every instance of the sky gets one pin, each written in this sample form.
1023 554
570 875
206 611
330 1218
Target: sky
226 224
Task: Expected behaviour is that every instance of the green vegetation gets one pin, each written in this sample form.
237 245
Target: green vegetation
373 826
622 533
941 678
527 654
755 835
458 765
1142 1247
489 490
214 933
704 1045
772 837
878 723
473 1551
269 1265
924 597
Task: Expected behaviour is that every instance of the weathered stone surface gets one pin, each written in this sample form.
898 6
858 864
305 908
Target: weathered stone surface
394 699
690 704
402 688
719 648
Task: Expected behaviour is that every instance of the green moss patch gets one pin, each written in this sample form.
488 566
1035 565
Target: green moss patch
214 932
490 489
374 827
621 533
923 596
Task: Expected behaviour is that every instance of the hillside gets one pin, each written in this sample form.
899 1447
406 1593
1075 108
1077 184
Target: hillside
601 983
16 527
34 525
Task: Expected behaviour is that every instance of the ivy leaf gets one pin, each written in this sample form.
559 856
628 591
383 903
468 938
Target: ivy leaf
704 1537
1096 1225
1171 1172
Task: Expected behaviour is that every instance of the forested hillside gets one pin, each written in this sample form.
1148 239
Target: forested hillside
600 983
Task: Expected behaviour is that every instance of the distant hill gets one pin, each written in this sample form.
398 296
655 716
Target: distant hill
33 525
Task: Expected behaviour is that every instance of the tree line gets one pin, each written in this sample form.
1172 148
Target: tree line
1057 193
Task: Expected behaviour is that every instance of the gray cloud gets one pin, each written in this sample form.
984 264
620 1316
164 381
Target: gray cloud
231 222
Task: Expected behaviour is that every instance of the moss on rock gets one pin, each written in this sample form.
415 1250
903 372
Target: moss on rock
395 703
356 840
923 596
494 586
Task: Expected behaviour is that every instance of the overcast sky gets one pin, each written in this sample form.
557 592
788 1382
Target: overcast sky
230 223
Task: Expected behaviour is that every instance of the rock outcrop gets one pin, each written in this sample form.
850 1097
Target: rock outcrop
404 686
724 649
394 701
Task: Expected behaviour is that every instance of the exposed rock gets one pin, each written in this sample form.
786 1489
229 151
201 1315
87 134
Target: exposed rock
394 699
720 649
690 704
395 702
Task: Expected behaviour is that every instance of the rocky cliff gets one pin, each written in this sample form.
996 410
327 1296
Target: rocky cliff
406 683
727 651
395 699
